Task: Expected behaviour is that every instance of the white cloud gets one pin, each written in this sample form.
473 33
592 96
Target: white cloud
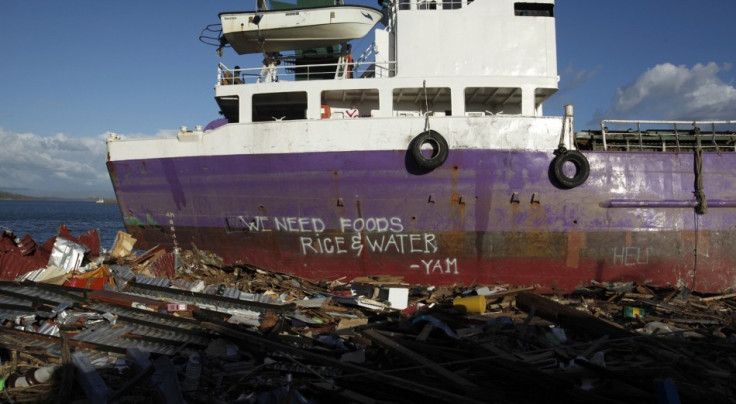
674 92
58 165
573 79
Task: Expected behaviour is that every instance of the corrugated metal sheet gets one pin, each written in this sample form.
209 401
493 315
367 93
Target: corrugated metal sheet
13 264
133 328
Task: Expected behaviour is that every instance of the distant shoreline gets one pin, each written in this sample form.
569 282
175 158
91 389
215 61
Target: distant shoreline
8 196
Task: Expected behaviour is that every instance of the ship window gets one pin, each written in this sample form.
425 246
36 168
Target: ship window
229 107
279 106
415 101
432 4
351 103
533 9
452 4
481 101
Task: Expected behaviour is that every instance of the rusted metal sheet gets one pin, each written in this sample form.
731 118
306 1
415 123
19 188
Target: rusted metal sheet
19 256
217 299
127 300
164 265
12 265
26 245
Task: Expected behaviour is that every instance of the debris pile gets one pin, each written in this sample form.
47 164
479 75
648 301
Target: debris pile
52 262
182 327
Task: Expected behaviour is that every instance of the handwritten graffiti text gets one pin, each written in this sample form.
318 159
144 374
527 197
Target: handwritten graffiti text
425 243
354 236
630 256
437 266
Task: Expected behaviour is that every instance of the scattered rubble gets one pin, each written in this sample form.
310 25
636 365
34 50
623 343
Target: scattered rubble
160 326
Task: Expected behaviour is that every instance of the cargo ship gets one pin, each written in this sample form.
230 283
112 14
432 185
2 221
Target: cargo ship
428 157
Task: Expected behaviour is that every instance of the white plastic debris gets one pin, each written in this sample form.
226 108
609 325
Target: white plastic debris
66 254
398 298
198 287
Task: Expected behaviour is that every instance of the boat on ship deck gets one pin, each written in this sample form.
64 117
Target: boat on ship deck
291 28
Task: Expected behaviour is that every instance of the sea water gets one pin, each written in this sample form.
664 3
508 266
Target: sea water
41 219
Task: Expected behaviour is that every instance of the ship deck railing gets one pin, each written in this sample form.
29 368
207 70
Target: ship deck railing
306 72
660 136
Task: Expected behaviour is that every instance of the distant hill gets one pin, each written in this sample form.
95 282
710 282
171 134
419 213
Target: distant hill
16 197
9 196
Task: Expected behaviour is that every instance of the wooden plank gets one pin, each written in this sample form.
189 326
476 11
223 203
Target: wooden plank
719 297
568 317
509 292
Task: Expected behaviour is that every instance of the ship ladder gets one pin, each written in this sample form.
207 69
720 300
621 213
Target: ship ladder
342 67
345 63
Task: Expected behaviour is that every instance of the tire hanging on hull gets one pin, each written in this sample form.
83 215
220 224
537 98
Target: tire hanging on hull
439 149
582 167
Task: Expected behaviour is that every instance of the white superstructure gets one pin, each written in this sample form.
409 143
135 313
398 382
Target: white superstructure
478 58
476 72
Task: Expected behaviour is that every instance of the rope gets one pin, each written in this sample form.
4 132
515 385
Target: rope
702 207
561 146
426 108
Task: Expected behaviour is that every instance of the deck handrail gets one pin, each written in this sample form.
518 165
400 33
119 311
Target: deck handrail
318 71
699 129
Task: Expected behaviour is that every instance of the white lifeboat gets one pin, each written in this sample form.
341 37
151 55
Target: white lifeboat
305 28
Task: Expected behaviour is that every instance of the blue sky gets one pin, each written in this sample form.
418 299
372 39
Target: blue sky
72 72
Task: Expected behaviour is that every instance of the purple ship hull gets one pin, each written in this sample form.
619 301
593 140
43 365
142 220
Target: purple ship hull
484 216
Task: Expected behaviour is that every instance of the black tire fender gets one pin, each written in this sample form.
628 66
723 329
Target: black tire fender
582 168
438 148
